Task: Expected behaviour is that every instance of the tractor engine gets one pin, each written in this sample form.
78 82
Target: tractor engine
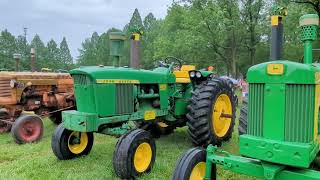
120 96
283 123
24 91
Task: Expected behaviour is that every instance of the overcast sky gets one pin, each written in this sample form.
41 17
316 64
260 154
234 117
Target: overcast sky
74 19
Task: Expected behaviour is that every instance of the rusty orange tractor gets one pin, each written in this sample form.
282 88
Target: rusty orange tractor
27 97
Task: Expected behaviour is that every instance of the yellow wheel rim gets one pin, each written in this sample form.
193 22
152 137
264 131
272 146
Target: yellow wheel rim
162 124
198 172
142 157
221 115
77 142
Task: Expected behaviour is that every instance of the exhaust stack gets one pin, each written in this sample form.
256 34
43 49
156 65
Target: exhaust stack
276 38
135 50
33 59
276 48
17 57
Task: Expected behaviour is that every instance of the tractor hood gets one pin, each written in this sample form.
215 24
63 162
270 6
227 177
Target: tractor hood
101 74
284 71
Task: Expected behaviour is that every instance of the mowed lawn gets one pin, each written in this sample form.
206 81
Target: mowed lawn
36 161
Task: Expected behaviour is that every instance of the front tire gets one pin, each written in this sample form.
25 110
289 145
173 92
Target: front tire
134 154
211 113
67 144
192 166
27 129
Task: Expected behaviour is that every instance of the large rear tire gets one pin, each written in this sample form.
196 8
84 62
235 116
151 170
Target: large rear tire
211 113
27 129
67 144
134 154
192 166
243 119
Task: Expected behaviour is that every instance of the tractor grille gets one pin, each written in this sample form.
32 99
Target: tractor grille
5 89
256 101
299 113
124 98
80 79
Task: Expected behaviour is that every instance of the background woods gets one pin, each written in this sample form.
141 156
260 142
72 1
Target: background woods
230 35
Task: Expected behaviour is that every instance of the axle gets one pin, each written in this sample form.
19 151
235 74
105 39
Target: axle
256 168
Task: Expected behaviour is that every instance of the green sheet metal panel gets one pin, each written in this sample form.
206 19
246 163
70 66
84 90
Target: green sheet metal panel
105 98
294 73
164 93
256 104
299 121
180 107
84 93
158 75
275 151
274 112
80 121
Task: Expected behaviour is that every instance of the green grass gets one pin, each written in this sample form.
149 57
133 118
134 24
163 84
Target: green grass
36 161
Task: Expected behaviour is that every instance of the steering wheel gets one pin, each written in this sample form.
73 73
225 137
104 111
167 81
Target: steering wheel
173 62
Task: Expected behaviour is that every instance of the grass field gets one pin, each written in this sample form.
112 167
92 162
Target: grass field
36 161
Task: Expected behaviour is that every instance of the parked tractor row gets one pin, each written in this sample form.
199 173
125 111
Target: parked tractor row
279 124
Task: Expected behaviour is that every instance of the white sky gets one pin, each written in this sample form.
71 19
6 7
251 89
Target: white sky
74 19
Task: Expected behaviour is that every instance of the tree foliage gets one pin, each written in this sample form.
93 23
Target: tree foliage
47 56
230 35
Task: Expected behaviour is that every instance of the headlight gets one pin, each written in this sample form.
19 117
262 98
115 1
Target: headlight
198 74
13 83
192 74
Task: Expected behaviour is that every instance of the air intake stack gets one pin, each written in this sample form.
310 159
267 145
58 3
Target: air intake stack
116 46
309 24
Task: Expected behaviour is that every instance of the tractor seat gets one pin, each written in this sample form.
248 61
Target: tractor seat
182 76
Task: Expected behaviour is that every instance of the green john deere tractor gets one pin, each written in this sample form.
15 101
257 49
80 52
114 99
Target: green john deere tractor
171 95
281 139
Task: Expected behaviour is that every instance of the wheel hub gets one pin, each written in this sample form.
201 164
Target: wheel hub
198 172
221 115
77 142
142 157
30 131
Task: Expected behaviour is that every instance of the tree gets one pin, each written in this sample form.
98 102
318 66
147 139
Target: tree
53 55
7 49
135 21
151 31
22 46
251 17
41 52
315 4
221 26
149 22
65 56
